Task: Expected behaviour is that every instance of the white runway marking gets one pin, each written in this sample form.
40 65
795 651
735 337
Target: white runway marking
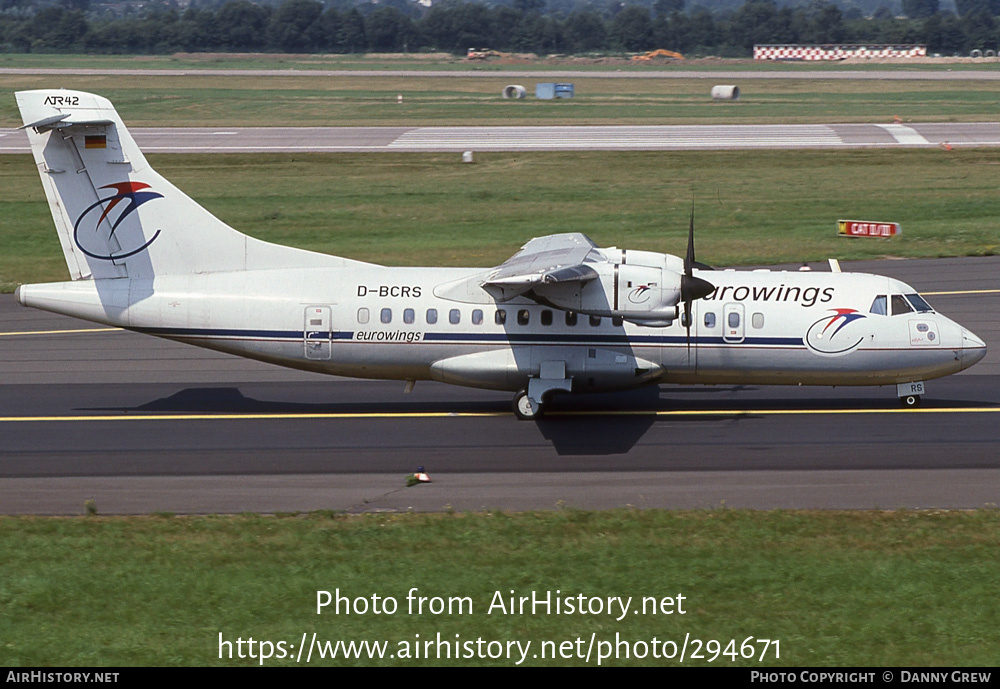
617 138
905 135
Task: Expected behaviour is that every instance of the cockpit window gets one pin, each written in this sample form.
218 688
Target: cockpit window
900 305
878 306
918 303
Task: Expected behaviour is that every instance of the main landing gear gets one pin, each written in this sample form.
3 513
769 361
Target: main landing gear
525 409
529 404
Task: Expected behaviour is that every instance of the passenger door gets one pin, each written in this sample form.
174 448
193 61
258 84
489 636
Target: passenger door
317 332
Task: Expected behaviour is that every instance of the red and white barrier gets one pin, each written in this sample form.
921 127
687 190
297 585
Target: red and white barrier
836 52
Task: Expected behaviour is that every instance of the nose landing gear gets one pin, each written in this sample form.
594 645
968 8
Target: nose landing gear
909 393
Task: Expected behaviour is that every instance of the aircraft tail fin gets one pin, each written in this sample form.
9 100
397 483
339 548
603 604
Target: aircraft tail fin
116 217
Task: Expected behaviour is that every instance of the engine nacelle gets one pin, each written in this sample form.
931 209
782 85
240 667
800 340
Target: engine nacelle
635 293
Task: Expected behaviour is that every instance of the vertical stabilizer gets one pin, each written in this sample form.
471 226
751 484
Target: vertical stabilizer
116 216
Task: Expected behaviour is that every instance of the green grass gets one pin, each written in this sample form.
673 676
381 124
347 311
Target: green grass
196 100
836 589
430 209
417 62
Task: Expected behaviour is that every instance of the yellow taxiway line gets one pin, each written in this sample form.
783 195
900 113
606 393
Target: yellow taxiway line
440 415
963 291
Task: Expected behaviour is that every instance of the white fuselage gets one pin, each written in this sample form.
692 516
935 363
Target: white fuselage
370 321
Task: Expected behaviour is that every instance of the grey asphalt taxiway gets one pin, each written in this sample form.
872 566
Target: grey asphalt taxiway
144 425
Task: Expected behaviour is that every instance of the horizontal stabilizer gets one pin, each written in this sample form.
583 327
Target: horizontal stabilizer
46 122
57 109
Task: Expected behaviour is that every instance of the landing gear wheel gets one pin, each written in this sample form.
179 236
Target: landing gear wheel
525 409
910 401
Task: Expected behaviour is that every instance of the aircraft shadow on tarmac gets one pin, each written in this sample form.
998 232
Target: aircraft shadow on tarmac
584 424
589 434
642 402
577 425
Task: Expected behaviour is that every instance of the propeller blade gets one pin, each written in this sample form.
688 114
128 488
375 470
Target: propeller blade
689 258
691 287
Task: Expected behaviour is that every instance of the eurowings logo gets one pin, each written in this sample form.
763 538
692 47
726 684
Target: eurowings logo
640 295
103 243
833 335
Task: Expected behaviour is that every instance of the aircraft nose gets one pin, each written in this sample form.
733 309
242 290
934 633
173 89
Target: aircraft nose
973 348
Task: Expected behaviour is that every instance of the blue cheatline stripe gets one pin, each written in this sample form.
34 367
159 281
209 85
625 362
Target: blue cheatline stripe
221 332
607 339
522 338
498 338
245 334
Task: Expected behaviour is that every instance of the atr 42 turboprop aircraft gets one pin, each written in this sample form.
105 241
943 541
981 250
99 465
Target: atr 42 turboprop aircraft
561 315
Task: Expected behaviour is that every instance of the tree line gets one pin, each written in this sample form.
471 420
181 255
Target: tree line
307 26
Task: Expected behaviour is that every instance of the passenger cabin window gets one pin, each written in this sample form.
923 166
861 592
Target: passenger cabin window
710 320
408 315
432 316
900 305
501 317
878 306
758 320
571 318
363 316
477 317
523 316
386 316
454 316
546 317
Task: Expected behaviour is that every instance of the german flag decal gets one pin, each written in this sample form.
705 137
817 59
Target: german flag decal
96 141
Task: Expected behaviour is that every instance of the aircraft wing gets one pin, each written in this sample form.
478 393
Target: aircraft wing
546 260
